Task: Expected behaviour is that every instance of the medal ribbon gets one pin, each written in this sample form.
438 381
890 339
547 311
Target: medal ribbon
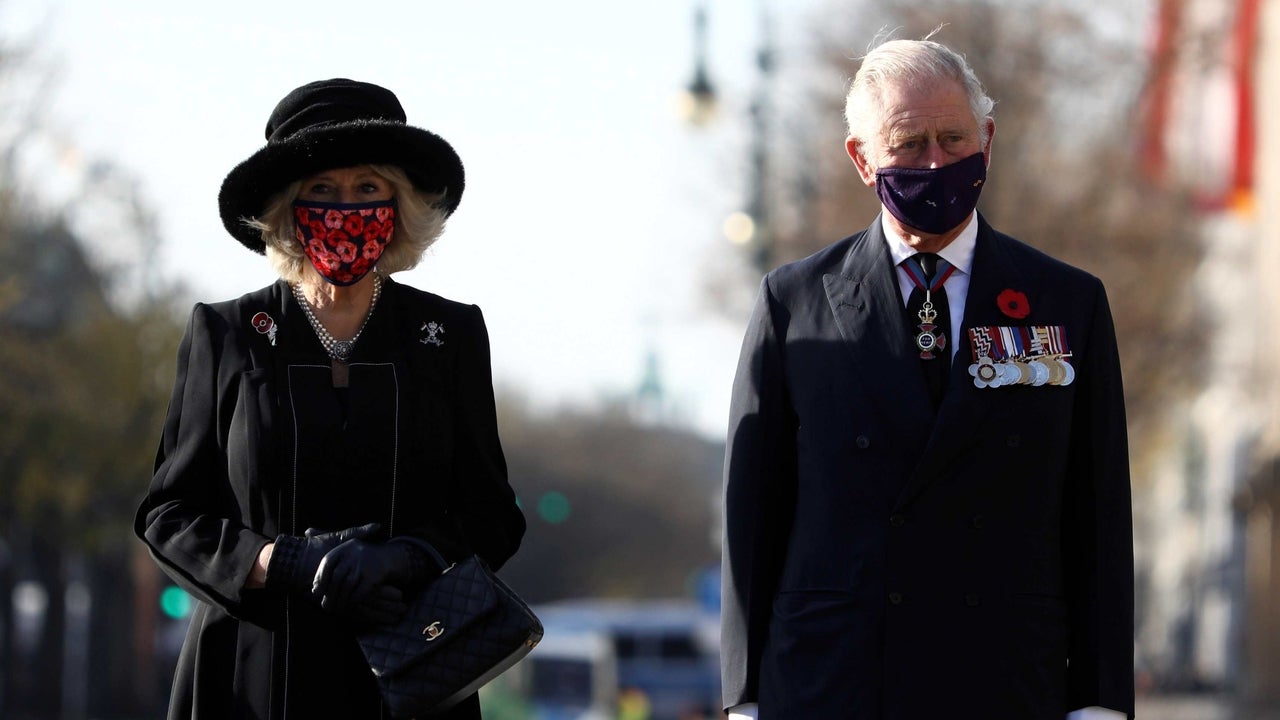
1058 340
1021 342
1011 338
982 342
916 273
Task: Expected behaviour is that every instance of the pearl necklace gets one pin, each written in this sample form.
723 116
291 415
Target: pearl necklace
339 350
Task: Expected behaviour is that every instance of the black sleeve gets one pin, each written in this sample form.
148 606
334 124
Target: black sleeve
1098 529
759 488
484 504
187 517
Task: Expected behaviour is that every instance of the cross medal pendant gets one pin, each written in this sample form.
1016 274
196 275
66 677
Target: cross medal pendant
929 339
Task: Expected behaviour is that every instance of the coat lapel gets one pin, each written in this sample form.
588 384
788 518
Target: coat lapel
867 306
965 406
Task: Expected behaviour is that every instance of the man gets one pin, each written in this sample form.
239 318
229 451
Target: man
926 486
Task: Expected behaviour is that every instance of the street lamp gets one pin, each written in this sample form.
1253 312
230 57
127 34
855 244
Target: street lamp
698 101
751 227
761 242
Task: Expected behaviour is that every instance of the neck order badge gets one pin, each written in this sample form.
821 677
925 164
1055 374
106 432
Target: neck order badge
928 272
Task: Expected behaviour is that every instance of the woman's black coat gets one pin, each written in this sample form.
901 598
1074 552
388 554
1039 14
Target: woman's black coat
223 483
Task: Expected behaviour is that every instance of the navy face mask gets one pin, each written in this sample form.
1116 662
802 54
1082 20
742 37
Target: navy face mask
933 200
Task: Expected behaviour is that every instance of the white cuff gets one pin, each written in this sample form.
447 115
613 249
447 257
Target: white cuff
751 711
1096 713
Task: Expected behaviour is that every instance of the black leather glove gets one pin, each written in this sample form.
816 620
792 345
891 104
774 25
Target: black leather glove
353 578
383 606
294 560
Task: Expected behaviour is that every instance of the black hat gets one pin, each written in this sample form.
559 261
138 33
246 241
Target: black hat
335 124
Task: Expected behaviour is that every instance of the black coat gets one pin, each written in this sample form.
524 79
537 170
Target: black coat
227 481
884 563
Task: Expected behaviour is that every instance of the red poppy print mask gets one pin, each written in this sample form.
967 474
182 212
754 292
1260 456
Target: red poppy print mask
344 240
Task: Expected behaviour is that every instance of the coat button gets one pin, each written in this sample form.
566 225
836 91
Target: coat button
972 600
1013 441
979 522
863 442
897 520
895 598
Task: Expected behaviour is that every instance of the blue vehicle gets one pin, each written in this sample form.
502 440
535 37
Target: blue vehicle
665 654
569 676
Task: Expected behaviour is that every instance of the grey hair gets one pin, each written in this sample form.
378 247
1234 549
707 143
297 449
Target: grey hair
918 63
419 223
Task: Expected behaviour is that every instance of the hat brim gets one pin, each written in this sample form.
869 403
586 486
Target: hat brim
429 161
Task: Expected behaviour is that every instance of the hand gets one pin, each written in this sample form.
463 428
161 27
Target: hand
353 577
295 560
384 606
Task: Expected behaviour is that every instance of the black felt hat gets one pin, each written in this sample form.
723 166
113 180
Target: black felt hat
335 124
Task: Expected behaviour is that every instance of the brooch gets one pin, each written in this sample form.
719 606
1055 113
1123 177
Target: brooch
433 330
263 323
1029 355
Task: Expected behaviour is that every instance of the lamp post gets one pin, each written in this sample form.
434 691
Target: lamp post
751 227
698 101
761 242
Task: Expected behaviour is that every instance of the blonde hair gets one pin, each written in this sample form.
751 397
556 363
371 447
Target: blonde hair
419 223
912 62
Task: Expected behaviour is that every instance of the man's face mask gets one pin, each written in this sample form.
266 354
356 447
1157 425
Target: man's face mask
344 240
933 200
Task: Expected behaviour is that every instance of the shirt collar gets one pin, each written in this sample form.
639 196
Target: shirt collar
958 252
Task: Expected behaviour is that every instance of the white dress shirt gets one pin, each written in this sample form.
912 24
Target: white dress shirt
959 252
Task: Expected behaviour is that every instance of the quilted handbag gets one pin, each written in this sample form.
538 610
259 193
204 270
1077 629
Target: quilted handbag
461 631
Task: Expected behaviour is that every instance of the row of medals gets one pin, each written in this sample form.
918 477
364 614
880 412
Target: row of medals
1035 370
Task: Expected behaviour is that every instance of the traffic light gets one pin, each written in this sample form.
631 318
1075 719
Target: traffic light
553 507
175 603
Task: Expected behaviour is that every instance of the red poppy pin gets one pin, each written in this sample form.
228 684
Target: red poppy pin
263 323
1014 304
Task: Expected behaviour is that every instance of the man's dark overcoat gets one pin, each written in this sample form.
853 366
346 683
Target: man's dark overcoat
240 461
882 562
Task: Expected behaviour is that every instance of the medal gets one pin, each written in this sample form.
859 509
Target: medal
1071 371
1039 373
929 339
985 373
1019 373
1057 371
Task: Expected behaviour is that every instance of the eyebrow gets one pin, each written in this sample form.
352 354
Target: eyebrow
899 134
328 175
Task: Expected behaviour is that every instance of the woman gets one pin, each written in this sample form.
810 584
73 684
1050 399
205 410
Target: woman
318 422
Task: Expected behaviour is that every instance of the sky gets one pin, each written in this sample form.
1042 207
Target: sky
590 227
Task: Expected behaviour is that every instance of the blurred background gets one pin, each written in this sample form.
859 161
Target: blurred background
632 171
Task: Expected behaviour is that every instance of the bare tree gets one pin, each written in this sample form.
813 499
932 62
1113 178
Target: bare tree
86 382
632 505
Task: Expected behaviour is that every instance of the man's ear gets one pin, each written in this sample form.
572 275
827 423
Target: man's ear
991 134
865 170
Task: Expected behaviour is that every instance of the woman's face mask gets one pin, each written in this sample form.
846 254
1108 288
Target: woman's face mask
343 241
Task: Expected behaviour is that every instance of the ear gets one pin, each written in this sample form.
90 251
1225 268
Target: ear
865 169
991 134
